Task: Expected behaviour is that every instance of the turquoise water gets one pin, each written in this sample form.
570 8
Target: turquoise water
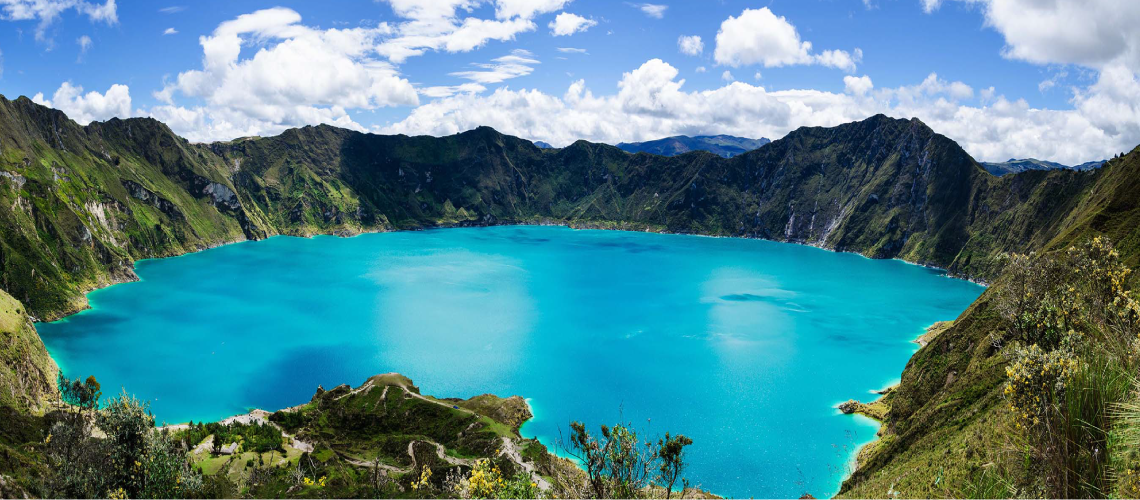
744 345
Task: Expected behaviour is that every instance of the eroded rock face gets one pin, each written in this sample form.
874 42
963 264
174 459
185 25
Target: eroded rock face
222 196
163 205
16 179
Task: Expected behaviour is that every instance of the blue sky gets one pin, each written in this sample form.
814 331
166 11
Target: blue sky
1003 77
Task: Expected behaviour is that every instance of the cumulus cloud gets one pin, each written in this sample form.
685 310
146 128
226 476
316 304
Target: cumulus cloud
568 24
1100 35
1095 34
690 45
299 76
170 31
48 11
857 85
651 102
759 36
727 76
89 107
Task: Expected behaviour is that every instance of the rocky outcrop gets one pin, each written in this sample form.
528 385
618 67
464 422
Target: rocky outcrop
222 196
163 205
876 410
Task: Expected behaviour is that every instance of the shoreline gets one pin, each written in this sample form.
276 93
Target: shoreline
872 408
132 276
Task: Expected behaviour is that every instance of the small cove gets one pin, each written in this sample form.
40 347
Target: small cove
743 345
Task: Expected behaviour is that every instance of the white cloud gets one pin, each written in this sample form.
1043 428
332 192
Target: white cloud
48 11
701 69
1100 35
518 63
170 31
727 76
857 85
568 24
930 5
572 50
526 9
690 45
89 107
1094 34
650 103
441 25
450 90
656 11
173 9
758 36
758 76
84 43
840 59
298 76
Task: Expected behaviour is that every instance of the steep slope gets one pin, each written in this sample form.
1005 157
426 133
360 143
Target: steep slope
947 417
720 145
27 373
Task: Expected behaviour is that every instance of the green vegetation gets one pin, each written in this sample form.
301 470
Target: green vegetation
382 439
618 464
1066 336
115 452
255 437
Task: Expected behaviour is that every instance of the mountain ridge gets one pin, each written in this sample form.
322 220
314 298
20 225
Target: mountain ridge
1014 165
722 145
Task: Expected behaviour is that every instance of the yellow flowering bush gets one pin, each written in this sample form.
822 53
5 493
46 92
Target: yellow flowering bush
425 479
1036 381
486 480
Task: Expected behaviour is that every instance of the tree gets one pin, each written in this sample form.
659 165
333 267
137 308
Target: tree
618 465
671 452
83 395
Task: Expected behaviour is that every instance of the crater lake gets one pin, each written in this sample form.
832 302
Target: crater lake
746 346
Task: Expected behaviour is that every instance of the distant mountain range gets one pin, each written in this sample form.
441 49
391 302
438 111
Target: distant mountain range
723 145
1013 166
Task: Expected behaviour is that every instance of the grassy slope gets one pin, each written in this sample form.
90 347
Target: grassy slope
947 419
27 372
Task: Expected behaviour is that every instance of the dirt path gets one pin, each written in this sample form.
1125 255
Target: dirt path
512 452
